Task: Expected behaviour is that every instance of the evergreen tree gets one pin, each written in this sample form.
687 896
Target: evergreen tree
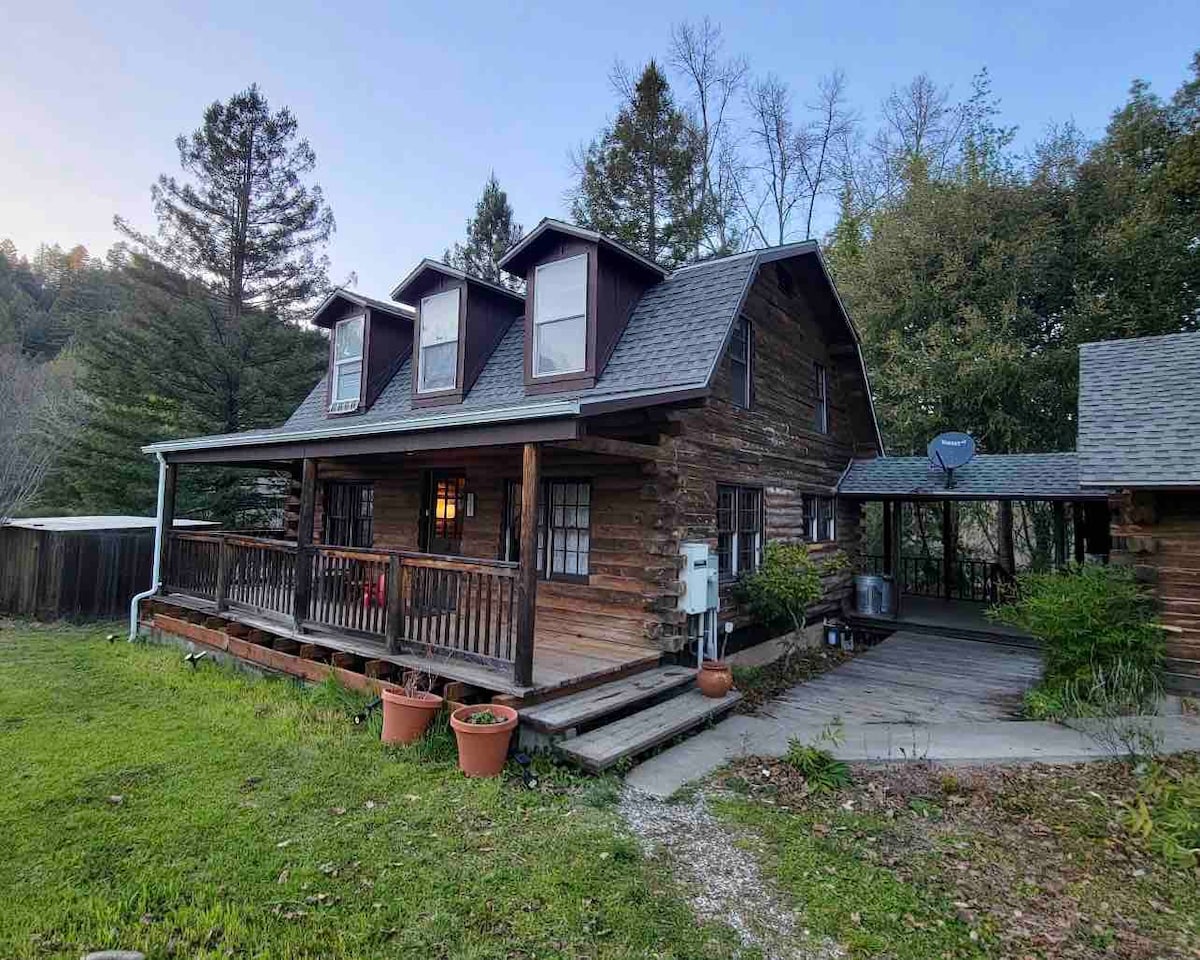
637 181
248 227
490 234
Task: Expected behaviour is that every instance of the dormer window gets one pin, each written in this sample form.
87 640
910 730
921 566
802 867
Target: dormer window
438 354
560 317
347 365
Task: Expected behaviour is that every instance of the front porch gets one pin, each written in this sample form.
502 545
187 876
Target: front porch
375 612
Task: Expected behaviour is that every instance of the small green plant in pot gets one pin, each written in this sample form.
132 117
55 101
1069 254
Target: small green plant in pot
483 732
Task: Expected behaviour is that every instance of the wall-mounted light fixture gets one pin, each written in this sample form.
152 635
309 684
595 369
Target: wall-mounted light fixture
470 504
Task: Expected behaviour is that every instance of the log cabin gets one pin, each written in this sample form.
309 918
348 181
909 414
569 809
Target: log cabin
1139 411
495 487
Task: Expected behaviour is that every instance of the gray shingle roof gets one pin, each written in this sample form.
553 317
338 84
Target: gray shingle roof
1032 476
671 342
1139 411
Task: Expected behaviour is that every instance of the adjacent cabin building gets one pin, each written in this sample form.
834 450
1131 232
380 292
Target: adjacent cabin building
1139 412
496 486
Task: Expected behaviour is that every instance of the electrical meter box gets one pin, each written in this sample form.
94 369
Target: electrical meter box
699 569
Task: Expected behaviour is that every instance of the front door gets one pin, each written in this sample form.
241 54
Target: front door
442 508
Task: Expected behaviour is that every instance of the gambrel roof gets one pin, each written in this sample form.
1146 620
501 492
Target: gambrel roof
667 352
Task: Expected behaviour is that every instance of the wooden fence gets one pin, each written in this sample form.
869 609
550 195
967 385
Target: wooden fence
85 574
456 606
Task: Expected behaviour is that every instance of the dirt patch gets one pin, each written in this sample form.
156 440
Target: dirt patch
1036 856
722 878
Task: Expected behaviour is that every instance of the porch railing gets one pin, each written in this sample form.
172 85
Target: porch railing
456 606
978 580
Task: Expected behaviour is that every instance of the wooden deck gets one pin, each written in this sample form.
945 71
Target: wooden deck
952 618
559 663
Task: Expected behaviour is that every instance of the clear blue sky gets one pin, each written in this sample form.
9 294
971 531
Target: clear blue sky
409 106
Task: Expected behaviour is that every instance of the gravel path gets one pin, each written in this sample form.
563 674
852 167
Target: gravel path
722 879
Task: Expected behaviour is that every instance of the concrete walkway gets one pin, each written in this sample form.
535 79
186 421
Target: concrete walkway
911 697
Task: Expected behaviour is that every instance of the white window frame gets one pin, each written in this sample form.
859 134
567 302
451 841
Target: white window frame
456 292
540 321
344 404
813 524
735 531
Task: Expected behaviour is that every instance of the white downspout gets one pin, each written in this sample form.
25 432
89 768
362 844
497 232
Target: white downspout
156 578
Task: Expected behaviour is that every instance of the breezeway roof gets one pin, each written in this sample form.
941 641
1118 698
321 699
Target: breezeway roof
1022 476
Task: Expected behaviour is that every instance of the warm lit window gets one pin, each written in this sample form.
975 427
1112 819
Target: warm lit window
560 317
349 514
347 364
739 363
438 356
821 397
739 530
819 514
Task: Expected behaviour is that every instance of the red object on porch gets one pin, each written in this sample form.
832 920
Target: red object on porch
375 594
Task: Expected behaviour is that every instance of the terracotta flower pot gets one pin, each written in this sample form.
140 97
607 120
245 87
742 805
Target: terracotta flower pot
483 747
715 679
405 718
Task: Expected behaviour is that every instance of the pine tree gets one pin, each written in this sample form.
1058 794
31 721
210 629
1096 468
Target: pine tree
490 233
249 227
637 181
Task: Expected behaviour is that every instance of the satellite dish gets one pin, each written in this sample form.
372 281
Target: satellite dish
949 451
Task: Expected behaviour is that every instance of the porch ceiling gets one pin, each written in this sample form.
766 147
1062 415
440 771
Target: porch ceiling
1025 476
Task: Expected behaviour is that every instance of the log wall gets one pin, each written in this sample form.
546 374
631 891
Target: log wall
1159 533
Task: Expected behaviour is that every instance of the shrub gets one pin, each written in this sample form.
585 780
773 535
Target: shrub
1165 814
822 772
785 585
1102 652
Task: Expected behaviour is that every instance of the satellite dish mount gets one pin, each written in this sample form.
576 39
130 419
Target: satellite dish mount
949 451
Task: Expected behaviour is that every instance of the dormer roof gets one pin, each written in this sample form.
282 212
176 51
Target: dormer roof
427 272
529 249
325 315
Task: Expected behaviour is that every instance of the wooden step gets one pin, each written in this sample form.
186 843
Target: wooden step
581 708
636 734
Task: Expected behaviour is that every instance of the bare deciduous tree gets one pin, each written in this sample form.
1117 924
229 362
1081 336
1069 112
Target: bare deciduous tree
793 165
35 406
714 81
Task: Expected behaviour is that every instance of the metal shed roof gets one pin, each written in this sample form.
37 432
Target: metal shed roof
1020 476
80 524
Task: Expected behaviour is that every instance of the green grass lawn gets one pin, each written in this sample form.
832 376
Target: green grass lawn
198 812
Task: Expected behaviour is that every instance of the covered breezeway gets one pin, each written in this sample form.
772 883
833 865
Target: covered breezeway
910 489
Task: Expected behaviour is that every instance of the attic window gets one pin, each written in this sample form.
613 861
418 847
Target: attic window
347 365
560 317
438 356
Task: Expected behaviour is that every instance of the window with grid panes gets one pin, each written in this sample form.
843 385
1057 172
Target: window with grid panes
739 530
569 515
349 514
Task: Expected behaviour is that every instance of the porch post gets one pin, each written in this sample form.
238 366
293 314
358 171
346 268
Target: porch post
167 541
531 468
1077 517
949 536
888 567
1060 533
304 535
897 560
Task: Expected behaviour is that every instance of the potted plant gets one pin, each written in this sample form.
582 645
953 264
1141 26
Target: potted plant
408 711
715 678
483 732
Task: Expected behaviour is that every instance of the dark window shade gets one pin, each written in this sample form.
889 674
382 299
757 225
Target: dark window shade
739 363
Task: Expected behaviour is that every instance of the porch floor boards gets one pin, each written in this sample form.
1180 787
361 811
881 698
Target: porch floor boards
957 618
558 662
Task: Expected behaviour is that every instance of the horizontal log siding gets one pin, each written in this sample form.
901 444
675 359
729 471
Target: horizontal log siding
774 444
1159 533
622 601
